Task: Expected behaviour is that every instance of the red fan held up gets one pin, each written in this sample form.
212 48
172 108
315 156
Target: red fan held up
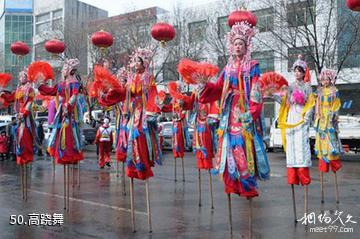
5 78
102 39
192 70
353 5
55 46
163 32
19 48
242 16
40 69
271 82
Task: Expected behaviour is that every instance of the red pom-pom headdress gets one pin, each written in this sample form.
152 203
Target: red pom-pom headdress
5 78
39 69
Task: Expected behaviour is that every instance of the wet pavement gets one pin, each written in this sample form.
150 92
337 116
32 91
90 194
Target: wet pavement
99 209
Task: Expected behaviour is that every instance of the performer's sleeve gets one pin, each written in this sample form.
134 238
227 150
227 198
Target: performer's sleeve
113 97
151 105
336 104
256 100
8 97
27 108
189 102
48 90
167 108
212 91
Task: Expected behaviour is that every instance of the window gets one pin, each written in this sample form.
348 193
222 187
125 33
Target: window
57 13
223 26
300 13
306 52
197 31
169 71
42 17
265 19
42 27
57 24
142 31
265 59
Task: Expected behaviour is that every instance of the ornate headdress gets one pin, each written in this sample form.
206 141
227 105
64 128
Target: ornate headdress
328 73
243 31
145 54
301 63
69 65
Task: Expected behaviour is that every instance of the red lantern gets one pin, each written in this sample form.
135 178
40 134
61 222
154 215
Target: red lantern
19 48
163 32
55 46
102 39
353 5
242 16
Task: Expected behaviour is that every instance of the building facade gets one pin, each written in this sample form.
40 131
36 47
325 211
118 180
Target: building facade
66 20
16 24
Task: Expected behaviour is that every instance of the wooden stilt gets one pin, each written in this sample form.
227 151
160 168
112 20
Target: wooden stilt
175 169
53 169
211 192
306 202
68 188
250 218
148 204
199 186
25 181
294 203
64 186
117 168
22 181
183 169
123 178
230 217
322 186
132 204
336 188
73 175
78 174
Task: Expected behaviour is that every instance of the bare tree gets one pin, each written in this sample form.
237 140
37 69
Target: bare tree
313 28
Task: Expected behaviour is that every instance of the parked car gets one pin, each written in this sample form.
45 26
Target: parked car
89 133
167 133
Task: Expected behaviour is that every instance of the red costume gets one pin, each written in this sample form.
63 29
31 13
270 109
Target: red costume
25 133
104 137
138 96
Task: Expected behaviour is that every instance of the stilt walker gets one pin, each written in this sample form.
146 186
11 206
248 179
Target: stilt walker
327 142
294 121
202 141
180 140
26 138
241 156
65 140
139 93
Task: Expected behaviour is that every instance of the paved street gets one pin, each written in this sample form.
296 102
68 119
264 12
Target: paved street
98 209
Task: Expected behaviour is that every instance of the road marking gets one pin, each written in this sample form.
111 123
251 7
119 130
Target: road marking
89 202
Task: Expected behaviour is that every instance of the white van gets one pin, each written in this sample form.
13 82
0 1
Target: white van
6 119
96 115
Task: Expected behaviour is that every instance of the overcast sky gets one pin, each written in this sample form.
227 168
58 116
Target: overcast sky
116 7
